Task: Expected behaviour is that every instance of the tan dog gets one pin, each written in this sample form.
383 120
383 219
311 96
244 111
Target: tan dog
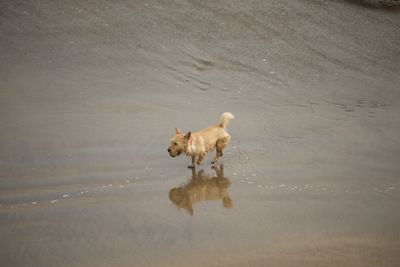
200 188
198 144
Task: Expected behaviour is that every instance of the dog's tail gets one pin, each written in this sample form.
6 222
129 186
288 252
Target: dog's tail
225 119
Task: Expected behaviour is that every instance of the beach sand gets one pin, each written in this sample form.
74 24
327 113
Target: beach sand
90 94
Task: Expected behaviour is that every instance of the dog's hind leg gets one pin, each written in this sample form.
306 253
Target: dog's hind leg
219 170
221 143
217 156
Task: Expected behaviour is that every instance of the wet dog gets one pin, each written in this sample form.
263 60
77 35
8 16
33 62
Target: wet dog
200 188
198 144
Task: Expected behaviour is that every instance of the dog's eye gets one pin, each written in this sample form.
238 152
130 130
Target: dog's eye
176 143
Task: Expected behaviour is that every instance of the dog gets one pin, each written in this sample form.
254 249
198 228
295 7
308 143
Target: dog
198 144
200 188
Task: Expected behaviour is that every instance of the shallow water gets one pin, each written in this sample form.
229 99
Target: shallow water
91 93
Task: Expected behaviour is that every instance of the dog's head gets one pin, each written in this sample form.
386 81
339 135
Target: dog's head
178 143
181 199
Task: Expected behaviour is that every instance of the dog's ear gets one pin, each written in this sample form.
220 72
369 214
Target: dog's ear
227 202
189 209
177 131
188 135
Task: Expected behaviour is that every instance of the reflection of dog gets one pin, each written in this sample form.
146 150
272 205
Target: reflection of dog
200 143
202 187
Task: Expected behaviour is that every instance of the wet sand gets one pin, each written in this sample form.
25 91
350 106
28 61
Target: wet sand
90 94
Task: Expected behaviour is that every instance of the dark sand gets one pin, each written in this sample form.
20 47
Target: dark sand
90 93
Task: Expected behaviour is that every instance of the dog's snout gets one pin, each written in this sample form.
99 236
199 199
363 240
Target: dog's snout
169 150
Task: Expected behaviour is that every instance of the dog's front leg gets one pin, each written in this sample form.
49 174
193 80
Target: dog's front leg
201 158
193 162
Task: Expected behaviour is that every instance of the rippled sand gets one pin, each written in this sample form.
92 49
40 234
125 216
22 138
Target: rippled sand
90 94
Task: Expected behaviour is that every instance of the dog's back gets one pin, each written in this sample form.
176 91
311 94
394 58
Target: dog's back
216 132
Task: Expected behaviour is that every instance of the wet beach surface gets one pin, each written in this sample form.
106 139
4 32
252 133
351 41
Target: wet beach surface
90 94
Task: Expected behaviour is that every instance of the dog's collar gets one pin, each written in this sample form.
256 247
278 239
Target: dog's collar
190 140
